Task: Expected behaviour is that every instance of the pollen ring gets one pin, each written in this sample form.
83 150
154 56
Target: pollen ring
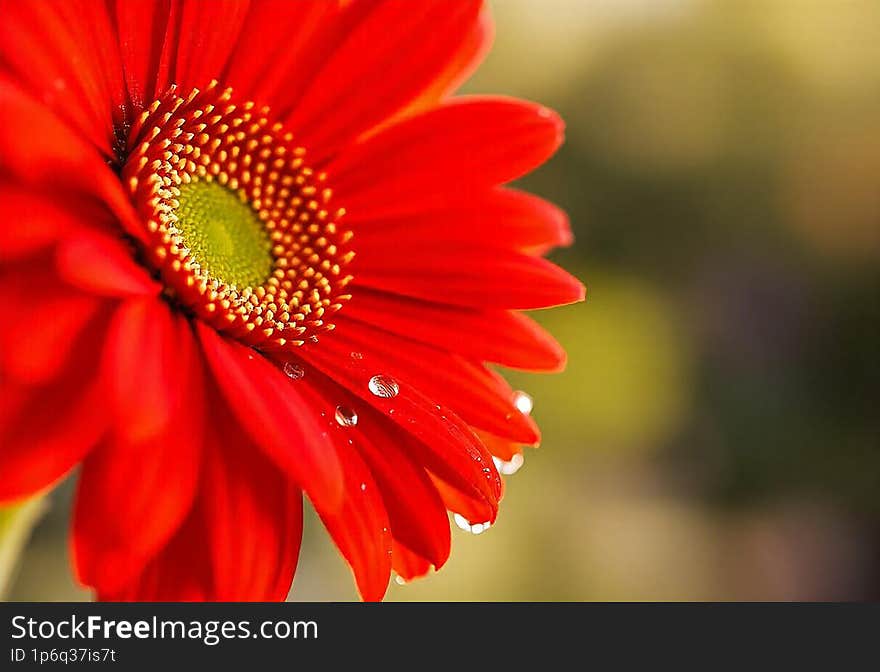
242 232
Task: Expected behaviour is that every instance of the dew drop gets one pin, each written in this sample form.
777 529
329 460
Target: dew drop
346 417
384 386
509 467
399 580
473 528
363 487
357 356
523 402
293 371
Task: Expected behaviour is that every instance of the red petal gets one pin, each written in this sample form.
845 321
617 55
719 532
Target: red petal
64 54
478 397
499 336
141 365
415 510
134 494
500 218
270 409
30 221
37 148
283 44
164 71
103 265
181 572
389 58
165 42
473 509
445 444
30 351
470 54
503 449
46 431
209 31
461 148
141 25
467 276
407 564
102 44
254 518
49 438
360 528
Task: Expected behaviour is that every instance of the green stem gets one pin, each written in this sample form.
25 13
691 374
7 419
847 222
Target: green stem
16 523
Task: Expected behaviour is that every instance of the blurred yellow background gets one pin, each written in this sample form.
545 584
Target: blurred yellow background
716 433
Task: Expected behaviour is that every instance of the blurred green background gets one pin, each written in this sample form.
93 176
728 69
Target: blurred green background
716 433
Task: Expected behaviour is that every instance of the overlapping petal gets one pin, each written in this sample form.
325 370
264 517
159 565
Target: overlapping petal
31 353
407 564
136 490
492 335
32 220
499 218
254 519
360 526
364 80
473 277
444 443
270 410
415 511
451 152
37 148
64 53
46 430
481 399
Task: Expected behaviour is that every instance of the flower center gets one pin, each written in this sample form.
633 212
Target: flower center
241 231
225 233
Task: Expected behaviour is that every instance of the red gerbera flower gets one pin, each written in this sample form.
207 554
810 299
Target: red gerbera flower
251 250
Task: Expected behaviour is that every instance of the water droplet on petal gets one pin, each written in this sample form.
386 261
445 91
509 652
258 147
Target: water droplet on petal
399 580
509 467
346 417
384 386
293 371
357 356
523 402
473 528
461 521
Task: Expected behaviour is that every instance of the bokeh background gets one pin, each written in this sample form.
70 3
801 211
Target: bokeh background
715 435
